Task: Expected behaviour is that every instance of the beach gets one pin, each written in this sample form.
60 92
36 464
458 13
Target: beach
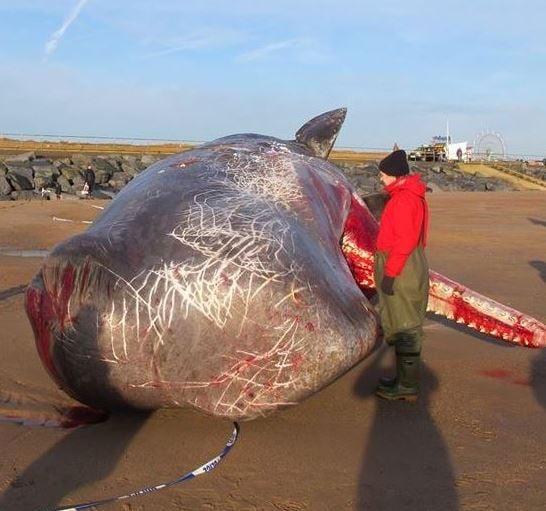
475 440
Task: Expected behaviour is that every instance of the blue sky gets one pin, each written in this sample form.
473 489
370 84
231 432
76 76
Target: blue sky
199 70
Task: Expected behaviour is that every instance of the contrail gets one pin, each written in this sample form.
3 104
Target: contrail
53 41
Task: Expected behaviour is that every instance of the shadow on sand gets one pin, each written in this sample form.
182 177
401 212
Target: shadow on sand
406 463
538 377
539 266
83 456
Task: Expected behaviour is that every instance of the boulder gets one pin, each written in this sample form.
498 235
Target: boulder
78 182
23 195
489 187
5 187
81 160
20 158
147 159
5 198
66 187
132 169
64 162
102 194
41 181
104 169
20 178
119 180
45 171
103 176
70 173
433 187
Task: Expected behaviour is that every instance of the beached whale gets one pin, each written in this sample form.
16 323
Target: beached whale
232 278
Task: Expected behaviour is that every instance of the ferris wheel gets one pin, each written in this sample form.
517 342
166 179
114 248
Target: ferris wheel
489 145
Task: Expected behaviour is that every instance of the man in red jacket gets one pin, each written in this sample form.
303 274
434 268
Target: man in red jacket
401 273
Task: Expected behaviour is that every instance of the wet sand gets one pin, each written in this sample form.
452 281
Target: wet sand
475 440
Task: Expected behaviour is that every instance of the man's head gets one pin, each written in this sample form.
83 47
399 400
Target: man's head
393 166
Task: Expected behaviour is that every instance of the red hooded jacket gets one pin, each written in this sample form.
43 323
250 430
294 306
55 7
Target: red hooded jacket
404 223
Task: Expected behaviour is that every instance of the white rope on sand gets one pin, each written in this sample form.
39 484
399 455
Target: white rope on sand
57 219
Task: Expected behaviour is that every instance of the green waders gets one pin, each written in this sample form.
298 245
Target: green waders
402 316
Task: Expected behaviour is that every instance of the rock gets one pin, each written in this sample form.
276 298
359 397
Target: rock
41 181
102 177
70 173
148 159
23 195
25 171
81 160
66 162
131 159
102 194
78 182
119 180
45 170
3 169
104 170
132 169
437 169
5 198
21 158
362 181
433 187
20 178
66 187
5 187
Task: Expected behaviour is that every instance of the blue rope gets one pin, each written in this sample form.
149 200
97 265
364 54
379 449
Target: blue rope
207 467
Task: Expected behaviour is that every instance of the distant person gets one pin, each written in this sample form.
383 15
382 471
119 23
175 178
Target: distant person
459 154
401 273
89 177
58 190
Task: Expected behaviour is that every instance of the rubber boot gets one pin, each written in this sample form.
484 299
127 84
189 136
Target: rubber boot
406 383
389 381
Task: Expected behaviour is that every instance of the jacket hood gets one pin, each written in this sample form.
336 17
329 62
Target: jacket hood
411 183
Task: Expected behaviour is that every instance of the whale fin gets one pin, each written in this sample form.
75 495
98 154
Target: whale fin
320 133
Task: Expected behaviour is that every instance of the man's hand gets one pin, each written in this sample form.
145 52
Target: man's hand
387 285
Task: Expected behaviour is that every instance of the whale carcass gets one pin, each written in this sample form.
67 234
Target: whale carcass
232 278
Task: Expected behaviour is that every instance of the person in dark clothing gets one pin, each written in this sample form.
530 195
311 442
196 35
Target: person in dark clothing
58 190
89 177
401 273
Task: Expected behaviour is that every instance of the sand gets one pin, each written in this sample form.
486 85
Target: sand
475 440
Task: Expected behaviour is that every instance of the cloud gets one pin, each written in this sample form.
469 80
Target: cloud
206 38
301 44
54 39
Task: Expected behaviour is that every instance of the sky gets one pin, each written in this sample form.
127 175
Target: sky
198 70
